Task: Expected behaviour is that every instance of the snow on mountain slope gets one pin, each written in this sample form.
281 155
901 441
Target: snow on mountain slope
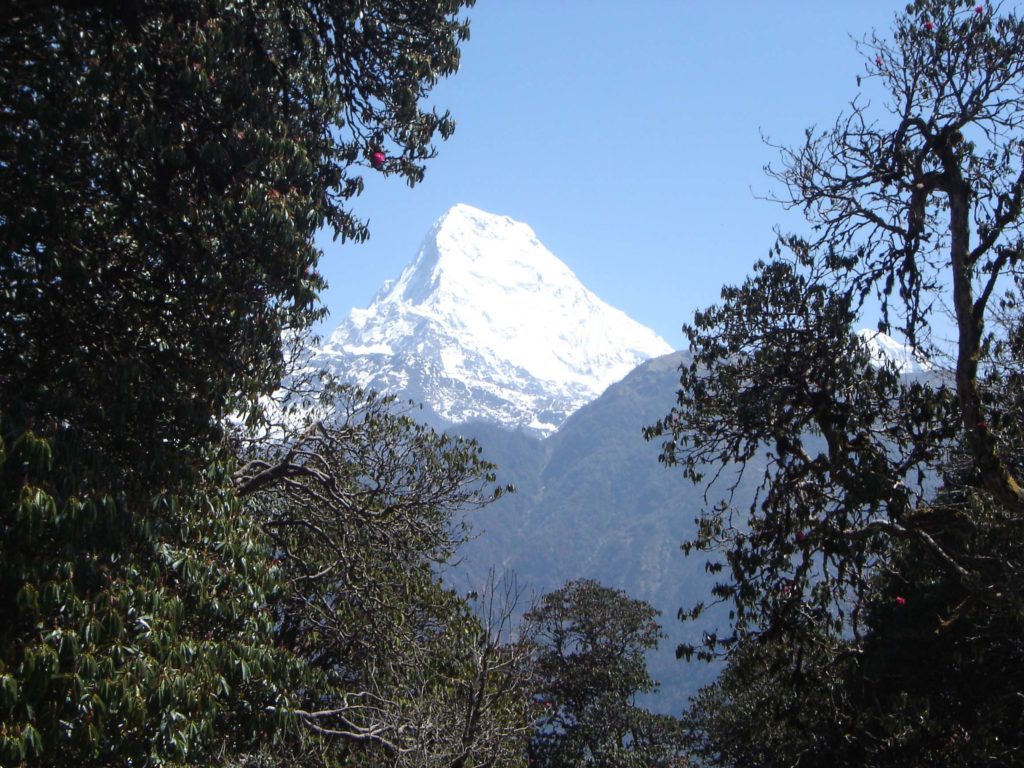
486 323
883 347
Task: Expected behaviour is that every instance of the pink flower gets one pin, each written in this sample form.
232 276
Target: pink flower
377 159
929 26
901 600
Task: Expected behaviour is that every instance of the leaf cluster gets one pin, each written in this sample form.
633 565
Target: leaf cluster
589 644
164 166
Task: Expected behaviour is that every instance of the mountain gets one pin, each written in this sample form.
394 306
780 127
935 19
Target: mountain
885 348
592 501
502 343
487 324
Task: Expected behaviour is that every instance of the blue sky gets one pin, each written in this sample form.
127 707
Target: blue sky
628 135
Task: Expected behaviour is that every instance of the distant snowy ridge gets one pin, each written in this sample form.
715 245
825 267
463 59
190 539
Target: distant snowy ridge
486 323
885 348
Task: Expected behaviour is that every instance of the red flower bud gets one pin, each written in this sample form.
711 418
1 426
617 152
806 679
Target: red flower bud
979 9
929 26
982 425
377 159
901 600
800 536
878 61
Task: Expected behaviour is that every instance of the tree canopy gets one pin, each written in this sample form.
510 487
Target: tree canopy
876 489
164 165
590 643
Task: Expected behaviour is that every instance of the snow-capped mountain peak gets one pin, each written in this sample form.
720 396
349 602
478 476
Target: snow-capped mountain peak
884 348
486 323
468 249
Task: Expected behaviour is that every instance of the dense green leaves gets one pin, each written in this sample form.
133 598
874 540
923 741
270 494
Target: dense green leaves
590 642
131 635
164 166
934 679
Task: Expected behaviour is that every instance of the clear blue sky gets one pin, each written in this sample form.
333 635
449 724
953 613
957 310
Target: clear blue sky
628 135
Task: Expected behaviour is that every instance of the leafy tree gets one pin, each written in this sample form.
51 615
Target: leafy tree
131 637
163 168
771 707
775 369
363 506
875 486
942 655
934 680
590 642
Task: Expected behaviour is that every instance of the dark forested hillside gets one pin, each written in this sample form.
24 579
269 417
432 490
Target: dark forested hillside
592 501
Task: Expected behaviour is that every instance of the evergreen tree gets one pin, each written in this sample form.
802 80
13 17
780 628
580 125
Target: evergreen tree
164 165
881 497
590 642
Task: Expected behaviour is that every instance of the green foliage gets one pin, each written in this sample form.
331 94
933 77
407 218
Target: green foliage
363 507
841 450
773 707
130 635
935 678
164 166
944 653
874 579
590 642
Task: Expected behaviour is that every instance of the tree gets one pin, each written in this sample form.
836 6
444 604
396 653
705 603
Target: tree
589 643
934 680
873 485
769 708
163 168
131 637
363 506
